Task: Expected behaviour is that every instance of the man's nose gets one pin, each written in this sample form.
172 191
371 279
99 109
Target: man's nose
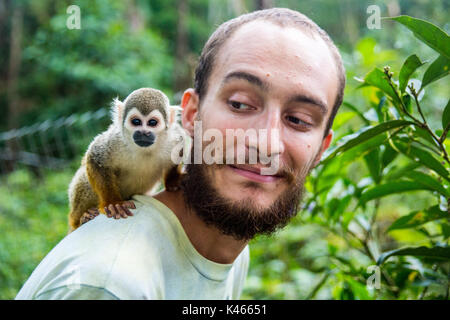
269 127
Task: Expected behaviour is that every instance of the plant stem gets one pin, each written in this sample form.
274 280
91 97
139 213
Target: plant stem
319 285
423 124
387 278
389 78
444 134
426 127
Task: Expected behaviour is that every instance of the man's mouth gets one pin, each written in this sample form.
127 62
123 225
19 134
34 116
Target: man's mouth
254 173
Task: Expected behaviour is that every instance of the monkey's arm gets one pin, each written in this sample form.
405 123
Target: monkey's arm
117 211
103 180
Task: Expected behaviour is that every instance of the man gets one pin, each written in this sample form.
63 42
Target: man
272 69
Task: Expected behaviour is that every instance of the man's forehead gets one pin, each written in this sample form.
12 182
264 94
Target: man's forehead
257 38
288 54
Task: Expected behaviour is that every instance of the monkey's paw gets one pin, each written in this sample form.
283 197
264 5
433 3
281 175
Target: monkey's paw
89 215
120 210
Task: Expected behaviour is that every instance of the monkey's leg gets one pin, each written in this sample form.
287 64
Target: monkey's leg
74 221
104 183
89 215
81 197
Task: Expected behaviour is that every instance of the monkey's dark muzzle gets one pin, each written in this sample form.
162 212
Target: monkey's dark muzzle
143 139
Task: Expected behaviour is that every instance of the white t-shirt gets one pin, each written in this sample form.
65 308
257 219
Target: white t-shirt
146 256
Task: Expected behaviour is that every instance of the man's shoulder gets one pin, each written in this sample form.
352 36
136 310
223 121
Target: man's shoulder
124 245
108 236
120 256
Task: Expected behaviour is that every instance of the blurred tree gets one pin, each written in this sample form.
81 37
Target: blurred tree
263 4
182 79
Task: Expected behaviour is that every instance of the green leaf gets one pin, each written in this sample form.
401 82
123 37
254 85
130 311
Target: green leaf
358 289
395 173
388 156
379 109
378 79
389 188
346 218
362 149
411 64
446 116
363 135
343 204
418 218
428 33
356 110
342 118
373 163
445 230
428 180
424 157
438 69
407 102
426 137
434 252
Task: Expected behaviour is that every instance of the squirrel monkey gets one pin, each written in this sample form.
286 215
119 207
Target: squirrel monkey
129 158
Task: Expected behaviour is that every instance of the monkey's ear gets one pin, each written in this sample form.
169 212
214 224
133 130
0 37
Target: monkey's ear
117 108
173 113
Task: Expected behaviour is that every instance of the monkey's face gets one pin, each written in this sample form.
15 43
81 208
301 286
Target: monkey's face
143 129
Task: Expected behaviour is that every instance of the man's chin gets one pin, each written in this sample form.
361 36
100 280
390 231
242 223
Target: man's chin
249 196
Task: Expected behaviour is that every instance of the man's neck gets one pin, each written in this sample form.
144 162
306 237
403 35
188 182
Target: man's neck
207 240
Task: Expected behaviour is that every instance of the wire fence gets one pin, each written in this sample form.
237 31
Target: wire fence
52 144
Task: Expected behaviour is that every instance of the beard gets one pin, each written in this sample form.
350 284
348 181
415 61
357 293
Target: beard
241 219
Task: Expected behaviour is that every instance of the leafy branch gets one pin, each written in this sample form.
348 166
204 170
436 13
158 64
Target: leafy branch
422 124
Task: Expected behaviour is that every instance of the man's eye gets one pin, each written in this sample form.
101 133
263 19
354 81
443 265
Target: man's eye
136 122
239 105
298 121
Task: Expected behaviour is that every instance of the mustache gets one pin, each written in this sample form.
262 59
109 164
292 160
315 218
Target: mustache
284 171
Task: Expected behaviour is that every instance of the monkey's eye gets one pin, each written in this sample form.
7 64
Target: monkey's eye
136 122
152 122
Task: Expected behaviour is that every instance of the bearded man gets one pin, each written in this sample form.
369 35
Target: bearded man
273 70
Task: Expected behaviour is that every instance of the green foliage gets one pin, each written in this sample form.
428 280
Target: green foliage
430 34
436 252
65 71
33 219
402 153
380 197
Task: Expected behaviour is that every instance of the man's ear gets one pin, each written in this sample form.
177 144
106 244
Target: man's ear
325 144
189 104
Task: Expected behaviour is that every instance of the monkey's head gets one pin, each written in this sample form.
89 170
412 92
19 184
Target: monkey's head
144 116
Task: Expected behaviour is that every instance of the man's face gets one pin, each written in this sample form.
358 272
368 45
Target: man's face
273 78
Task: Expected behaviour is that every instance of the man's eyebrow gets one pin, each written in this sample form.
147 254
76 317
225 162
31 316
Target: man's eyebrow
265 86
310 100
246 76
